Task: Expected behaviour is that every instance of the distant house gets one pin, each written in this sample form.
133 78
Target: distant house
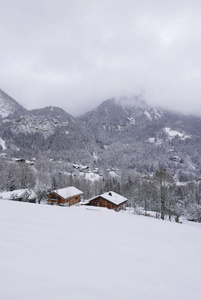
65 197
23 161
19 160
110 200
24 195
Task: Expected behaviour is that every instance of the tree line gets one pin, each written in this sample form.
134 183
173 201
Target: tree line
157 194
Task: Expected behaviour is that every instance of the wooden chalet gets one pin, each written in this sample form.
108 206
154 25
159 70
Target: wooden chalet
110 200
65 197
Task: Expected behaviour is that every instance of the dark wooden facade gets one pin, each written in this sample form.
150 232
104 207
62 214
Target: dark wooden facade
101 202
54 198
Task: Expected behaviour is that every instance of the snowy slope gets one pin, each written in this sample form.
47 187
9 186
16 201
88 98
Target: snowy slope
30 124
94 254
50 128
173 133
3 144
8 105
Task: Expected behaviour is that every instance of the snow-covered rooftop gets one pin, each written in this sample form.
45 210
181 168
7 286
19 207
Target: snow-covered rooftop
113 197
68 192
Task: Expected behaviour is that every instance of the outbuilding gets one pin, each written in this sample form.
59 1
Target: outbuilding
25 195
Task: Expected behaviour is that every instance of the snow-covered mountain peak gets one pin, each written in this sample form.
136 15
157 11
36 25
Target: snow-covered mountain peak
8 105
138 107
132 101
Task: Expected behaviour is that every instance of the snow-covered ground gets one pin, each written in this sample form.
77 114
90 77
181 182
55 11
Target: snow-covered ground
173 133
29 194
3 144
91 176
80 253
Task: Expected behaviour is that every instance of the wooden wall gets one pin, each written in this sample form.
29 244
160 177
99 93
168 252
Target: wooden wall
53 198
74 200
101 202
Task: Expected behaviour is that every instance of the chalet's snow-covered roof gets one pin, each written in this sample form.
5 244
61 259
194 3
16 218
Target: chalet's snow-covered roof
68 192
112 197
18 194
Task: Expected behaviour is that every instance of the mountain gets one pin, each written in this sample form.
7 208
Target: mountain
111 121
126 134
50 129
133 135
8 105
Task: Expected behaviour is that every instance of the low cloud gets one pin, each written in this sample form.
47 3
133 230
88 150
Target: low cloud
76 54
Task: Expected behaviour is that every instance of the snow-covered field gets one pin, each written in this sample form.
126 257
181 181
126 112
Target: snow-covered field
80 253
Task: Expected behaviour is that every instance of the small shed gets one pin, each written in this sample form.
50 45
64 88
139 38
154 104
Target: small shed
24 195
110 200
65 197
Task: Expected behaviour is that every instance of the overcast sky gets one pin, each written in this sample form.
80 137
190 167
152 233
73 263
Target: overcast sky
77 53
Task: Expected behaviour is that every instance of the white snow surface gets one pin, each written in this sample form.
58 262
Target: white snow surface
157 141
158 113
113 174
173 133
148 115
68 192
95 155
2 143
91 176
6 107
131 121
85 253
152 140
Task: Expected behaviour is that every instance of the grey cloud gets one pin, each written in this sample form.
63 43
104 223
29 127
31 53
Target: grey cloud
75 54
